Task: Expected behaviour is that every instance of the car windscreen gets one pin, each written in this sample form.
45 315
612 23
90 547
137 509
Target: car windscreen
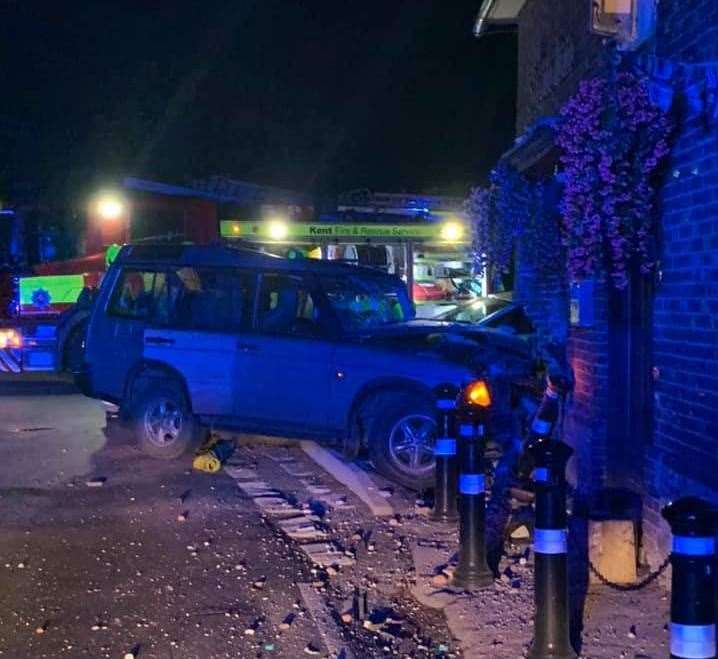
475 311
363 303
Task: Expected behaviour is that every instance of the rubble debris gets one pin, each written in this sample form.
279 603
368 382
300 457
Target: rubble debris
439 580
97 481
521 533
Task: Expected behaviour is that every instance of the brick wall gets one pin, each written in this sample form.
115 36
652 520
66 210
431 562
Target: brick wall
545 297
543 291
555 52
684 457
586 422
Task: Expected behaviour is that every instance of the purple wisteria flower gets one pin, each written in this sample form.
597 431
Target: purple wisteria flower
613 141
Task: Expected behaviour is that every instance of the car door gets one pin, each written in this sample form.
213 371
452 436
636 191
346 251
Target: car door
116 342
197 326
286 360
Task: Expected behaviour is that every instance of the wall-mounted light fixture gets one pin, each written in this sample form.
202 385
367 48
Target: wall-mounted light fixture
629 22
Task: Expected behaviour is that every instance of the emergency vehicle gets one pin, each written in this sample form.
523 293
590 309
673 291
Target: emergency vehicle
44 309
425 239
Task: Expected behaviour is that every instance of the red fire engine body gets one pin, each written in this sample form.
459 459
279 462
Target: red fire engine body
48 308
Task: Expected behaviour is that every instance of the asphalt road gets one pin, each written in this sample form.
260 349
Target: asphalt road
89 571
105 552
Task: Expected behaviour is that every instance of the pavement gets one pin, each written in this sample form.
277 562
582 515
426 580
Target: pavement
107 553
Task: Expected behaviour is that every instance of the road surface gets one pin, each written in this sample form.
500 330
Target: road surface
104 552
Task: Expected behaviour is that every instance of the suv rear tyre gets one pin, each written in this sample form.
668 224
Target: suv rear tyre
163 422
73 356
400 432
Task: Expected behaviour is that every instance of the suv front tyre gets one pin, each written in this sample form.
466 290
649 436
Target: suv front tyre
162 419
400 433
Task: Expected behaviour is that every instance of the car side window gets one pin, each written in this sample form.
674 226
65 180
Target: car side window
286 306
136 293
213 299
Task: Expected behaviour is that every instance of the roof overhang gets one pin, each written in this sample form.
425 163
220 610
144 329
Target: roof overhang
497 16
536 149
220 189
155 187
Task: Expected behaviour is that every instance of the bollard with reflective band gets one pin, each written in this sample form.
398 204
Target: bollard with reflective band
694 523
547 413
551 622
472 571
445 490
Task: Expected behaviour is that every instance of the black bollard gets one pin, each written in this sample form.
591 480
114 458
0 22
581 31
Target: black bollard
445 491
543 423
693 583
546 414
551 622
472 572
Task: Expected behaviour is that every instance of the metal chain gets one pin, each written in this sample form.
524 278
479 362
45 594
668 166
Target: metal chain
650 578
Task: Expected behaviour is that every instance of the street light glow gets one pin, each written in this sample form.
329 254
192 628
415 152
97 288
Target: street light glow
278 229
110 207
451 232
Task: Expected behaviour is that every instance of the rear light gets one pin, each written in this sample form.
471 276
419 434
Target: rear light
477 393
10 338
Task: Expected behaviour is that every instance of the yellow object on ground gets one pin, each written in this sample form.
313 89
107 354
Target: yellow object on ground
207 462
212 454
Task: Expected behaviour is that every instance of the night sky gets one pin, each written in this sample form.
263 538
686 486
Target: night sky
316 95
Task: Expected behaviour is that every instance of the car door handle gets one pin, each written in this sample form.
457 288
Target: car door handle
247 347
159 341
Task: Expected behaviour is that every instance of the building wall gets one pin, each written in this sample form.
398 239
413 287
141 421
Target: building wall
586 419
684 456
555 52
543 290
681 454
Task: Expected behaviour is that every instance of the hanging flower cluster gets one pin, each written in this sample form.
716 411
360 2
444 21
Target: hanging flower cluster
613 141
513 209
491 245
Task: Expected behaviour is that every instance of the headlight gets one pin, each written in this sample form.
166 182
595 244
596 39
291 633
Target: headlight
477 393
10 338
